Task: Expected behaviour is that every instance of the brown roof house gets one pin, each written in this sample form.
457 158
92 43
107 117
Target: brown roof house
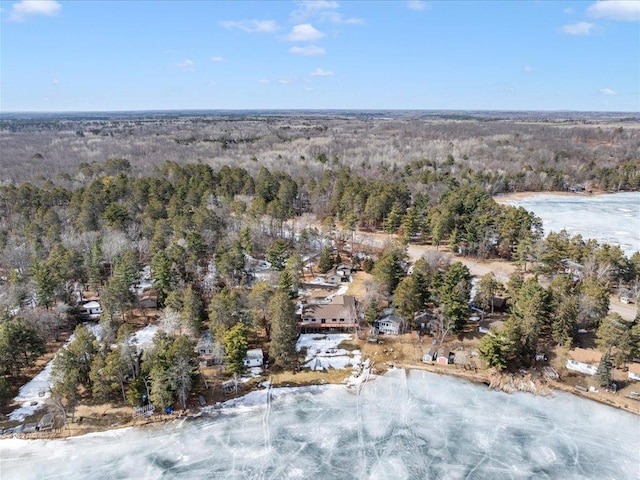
340 313
634 371
584 361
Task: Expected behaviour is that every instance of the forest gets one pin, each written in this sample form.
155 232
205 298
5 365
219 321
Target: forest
87 204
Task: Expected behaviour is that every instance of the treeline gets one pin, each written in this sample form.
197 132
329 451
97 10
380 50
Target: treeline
512 153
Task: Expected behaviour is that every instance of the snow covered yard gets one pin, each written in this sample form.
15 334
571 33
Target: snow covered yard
323 353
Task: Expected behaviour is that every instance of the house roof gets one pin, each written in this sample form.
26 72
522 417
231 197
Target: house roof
341 306
254 353
634 368
584 355
444 352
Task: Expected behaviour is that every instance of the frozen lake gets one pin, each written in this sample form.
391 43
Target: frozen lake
612 218
405 425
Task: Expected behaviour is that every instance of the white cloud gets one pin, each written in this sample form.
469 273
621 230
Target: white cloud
217 59
568 10
285 81
607 91
311 8
580 28
417 5
55 81
212 83
27 8
338 18
304 32
528 69
626 10
308 89
318 72
310 51
264 80
187 65
252 26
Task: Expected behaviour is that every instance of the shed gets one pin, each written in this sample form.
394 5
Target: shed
443 356
46 422
91 309
429 355
253 358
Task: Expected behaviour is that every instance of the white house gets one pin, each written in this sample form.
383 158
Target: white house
634 371
254 358
92 310
584 361
389 324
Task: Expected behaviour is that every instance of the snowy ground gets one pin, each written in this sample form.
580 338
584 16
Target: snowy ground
144 337
32 395
323 352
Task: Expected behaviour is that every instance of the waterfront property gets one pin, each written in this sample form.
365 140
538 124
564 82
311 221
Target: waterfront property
584 361
339 314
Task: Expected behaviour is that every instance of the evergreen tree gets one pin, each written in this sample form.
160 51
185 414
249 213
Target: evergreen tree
325 261
494 349
604 373
284 332
235 347
162 276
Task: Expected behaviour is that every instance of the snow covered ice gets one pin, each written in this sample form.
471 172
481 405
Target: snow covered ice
613 218
406 424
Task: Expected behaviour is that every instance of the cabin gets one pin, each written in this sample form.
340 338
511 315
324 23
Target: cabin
429 355
584 361
339 313
253 358
204 348
572 268
634 372
388 323
443 356
91 310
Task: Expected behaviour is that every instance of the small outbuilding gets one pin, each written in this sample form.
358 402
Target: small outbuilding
429 355
91 310
254 358
443 356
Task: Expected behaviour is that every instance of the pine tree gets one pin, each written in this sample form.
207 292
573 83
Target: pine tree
235 347
604 372
284 331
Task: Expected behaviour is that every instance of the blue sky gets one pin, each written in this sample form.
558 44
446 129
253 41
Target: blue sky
158 55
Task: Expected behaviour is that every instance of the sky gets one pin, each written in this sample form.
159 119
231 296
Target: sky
58 55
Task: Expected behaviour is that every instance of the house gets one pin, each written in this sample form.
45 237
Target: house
91 310
429 355
340 313
389 323
572 268
253 358
584 361
443 356
634 371
204 348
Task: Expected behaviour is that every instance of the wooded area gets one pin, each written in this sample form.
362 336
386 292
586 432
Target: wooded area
200 200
